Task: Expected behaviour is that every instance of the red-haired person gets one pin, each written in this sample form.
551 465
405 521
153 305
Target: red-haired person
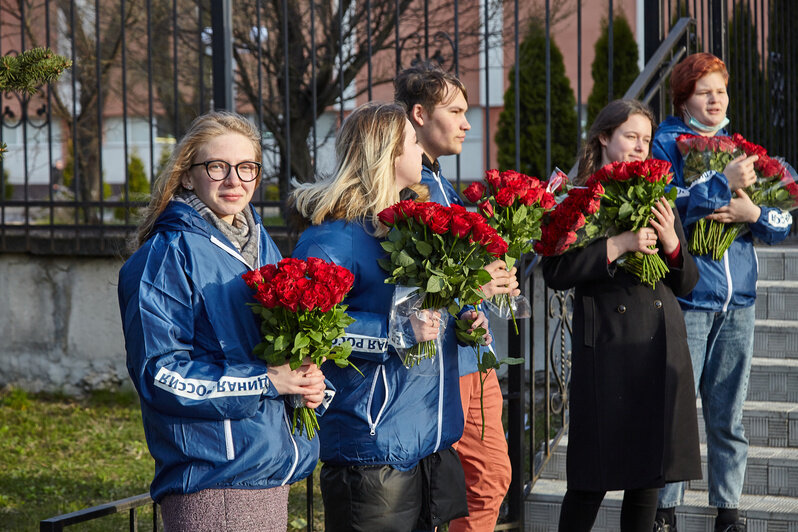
719 312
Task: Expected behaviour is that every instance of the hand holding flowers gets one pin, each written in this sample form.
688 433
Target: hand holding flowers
301 320
441 252
755 179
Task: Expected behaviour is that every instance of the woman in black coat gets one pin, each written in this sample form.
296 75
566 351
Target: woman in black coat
633 420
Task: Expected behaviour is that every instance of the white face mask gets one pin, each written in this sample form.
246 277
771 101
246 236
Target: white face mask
703 128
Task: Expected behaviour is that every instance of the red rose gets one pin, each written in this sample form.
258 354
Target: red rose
388 216
440 220
505 197
486 208
289 299
265 296
268 272
294 268
324 298
308 300
532 195
547 201
474 191
405 209
253 278
482 233
497 246
494 179
519 184
461 225
425 211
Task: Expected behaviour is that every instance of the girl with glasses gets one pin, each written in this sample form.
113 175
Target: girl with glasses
214 415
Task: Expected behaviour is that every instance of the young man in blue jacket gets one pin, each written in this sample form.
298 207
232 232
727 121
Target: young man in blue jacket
436 103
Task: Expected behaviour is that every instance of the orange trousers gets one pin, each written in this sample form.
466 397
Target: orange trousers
486 463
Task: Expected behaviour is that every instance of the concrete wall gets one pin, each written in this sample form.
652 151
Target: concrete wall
60 329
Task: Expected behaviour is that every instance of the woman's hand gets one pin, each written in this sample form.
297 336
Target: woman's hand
426 325
663 225
630 241
740 171
479 320
307 381
739 209
502 282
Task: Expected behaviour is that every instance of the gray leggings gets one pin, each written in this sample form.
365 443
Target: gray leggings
223 510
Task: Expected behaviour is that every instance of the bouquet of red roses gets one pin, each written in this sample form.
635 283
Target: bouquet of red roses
617 198
567 224
702 154
514 204
299 303
441 252
775 185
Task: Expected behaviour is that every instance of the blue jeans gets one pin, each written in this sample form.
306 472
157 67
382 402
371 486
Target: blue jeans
721 346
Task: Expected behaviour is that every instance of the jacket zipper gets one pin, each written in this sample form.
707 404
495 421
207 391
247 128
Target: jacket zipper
729 287
437 176
296 449
373 424
440 403
235 253
228 440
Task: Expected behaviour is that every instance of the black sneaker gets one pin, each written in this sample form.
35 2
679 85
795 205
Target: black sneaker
738 526
661 525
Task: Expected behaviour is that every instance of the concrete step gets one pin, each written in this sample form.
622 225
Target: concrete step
767 423
776 339
777 263
763 513
777 300
769 471
773 379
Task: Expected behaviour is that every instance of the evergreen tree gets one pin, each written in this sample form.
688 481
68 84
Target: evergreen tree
26 71
624 65
532 86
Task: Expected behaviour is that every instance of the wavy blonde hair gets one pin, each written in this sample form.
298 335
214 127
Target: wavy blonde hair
203 129
364 181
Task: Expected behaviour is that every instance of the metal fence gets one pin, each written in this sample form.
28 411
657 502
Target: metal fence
83 152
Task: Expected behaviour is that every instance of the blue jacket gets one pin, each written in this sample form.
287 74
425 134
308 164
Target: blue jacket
729 283
441 191
211 417
390 415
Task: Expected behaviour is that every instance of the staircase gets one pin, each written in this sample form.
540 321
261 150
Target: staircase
770 491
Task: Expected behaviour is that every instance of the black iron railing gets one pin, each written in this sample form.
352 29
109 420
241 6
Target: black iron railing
143 69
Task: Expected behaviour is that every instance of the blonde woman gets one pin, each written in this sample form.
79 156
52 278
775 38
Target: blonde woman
386 439
214 415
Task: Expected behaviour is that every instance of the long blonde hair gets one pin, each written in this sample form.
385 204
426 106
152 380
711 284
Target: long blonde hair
203 129
364 181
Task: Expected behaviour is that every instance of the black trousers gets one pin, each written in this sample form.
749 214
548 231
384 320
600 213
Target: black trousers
579 510
379 497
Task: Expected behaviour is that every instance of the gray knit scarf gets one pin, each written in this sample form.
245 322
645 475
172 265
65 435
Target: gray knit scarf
243 232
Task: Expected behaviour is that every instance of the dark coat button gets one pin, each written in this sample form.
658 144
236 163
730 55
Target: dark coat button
657 304
621 309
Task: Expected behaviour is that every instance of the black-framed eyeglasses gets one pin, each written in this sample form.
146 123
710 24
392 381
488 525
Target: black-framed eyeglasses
218 170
